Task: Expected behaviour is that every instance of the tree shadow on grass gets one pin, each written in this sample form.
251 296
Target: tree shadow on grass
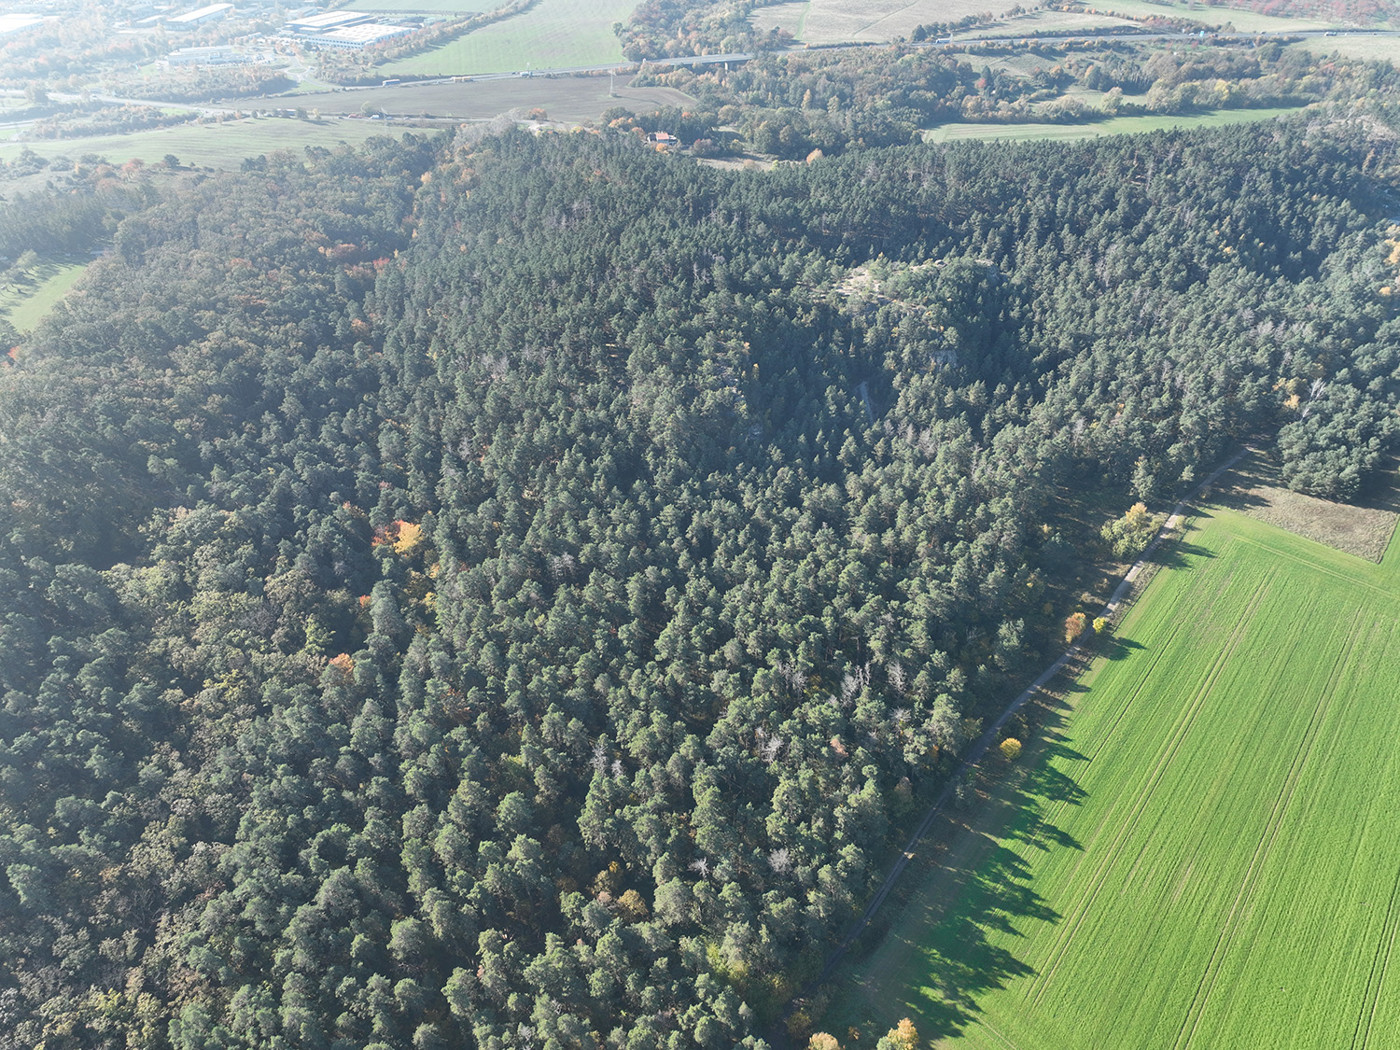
966 945
1114 647
1175 555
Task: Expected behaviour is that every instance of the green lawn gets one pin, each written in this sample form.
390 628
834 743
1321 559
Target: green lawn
209 145
551 35
1113 126
1199 850
24 305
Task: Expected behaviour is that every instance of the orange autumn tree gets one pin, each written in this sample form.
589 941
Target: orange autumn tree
1074 625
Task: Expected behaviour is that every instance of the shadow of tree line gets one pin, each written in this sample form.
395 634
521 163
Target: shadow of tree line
993 894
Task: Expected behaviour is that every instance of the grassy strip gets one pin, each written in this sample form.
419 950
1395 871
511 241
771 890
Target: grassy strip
1165 865
1112 126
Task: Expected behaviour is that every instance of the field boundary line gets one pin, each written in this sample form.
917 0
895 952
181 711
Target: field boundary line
1211 974
974 754
996 1034
1315 567
1180 730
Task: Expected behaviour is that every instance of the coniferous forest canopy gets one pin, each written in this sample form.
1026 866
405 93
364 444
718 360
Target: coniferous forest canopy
512 593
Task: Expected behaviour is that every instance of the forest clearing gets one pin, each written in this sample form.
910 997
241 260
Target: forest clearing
1164 866
24 301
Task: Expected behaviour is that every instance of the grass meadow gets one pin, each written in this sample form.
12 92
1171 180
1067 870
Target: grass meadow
207 145
1112 126
577 98
874 21
1197 848
553 34
24 305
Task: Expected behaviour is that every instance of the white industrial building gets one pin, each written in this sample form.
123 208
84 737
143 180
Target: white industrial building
341 31
16 23
190 19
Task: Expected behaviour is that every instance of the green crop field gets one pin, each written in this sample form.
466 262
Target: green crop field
553 34
1199 850
1112 126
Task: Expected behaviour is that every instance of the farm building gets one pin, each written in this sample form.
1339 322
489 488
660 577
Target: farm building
205 56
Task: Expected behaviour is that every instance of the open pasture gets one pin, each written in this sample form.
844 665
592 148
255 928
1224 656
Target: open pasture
1198 849
1111 126
554 34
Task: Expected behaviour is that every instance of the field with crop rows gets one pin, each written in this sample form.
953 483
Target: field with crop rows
1199 850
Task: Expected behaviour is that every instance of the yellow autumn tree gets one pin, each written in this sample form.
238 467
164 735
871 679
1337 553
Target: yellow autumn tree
901 1037
410 535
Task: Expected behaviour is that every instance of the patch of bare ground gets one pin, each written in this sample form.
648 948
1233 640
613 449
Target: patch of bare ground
1363 530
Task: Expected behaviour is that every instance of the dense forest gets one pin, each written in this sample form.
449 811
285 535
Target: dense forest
512 592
